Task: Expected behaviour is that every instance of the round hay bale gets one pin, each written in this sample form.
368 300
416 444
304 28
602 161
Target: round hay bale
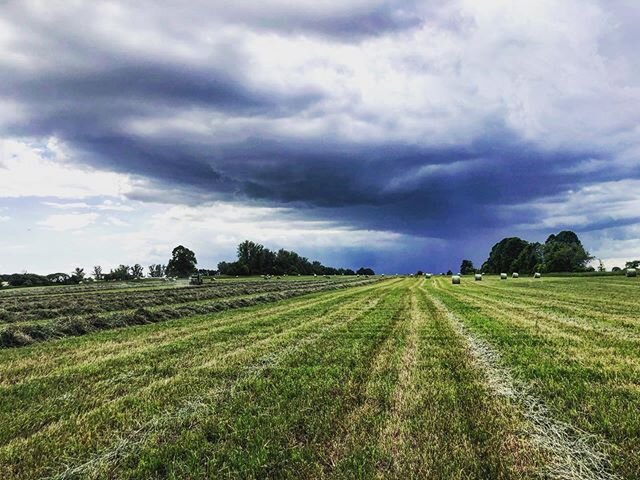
515 275
428 275
478 277
537 275
455 280
631 272
503 276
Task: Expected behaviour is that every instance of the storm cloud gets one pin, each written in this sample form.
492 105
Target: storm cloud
427 121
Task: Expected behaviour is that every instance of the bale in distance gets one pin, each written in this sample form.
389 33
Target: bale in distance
537 275
455 279
478 277
427 275
632 272
515 275
503 276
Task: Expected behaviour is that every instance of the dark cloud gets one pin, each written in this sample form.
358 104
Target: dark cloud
441 188
371 186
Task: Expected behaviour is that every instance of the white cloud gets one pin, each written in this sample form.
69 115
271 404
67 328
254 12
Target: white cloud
615 246
589 207
562 75
69 222
215 229
106 205
44 170
536 68
606 215
4 218
116 222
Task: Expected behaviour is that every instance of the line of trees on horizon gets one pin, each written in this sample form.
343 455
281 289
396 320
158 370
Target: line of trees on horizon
253 259
256 259
560 253
181 264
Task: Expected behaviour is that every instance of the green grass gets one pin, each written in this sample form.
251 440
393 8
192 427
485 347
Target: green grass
574 341
43 317
371 381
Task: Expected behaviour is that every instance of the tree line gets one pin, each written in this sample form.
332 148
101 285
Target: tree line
255 259
181 264
562 252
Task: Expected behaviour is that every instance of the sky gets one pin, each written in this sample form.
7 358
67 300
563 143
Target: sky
399 135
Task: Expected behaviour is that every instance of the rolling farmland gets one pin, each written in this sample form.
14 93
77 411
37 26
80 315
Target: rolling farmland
313 378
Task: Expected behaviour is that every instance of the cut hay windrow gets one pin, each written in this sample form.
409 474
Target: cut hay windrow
24 333
403 378
215 394
573 454
21 308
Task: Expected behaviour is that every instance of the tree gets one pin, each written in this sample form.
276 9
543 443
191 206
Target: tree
97 272
182 263
466 267
564 253
601 267
255 259
365 271
137 271
157 271
77 275
123 272
449 272
59 277
28 279
529 260
251 258
632 264
504 254
207 272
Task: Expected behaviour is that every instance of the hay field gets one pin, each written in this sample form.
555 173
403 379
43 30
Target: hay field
400 378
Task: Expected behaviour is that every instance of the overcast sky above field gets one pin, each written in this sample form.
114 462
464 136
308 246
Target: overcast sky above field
393 134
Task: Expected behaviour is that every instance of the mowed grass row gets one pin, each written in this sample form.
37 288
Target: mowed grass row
21 307
575 342
150 284
83 400
597 295
86 288
363 382
21 333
